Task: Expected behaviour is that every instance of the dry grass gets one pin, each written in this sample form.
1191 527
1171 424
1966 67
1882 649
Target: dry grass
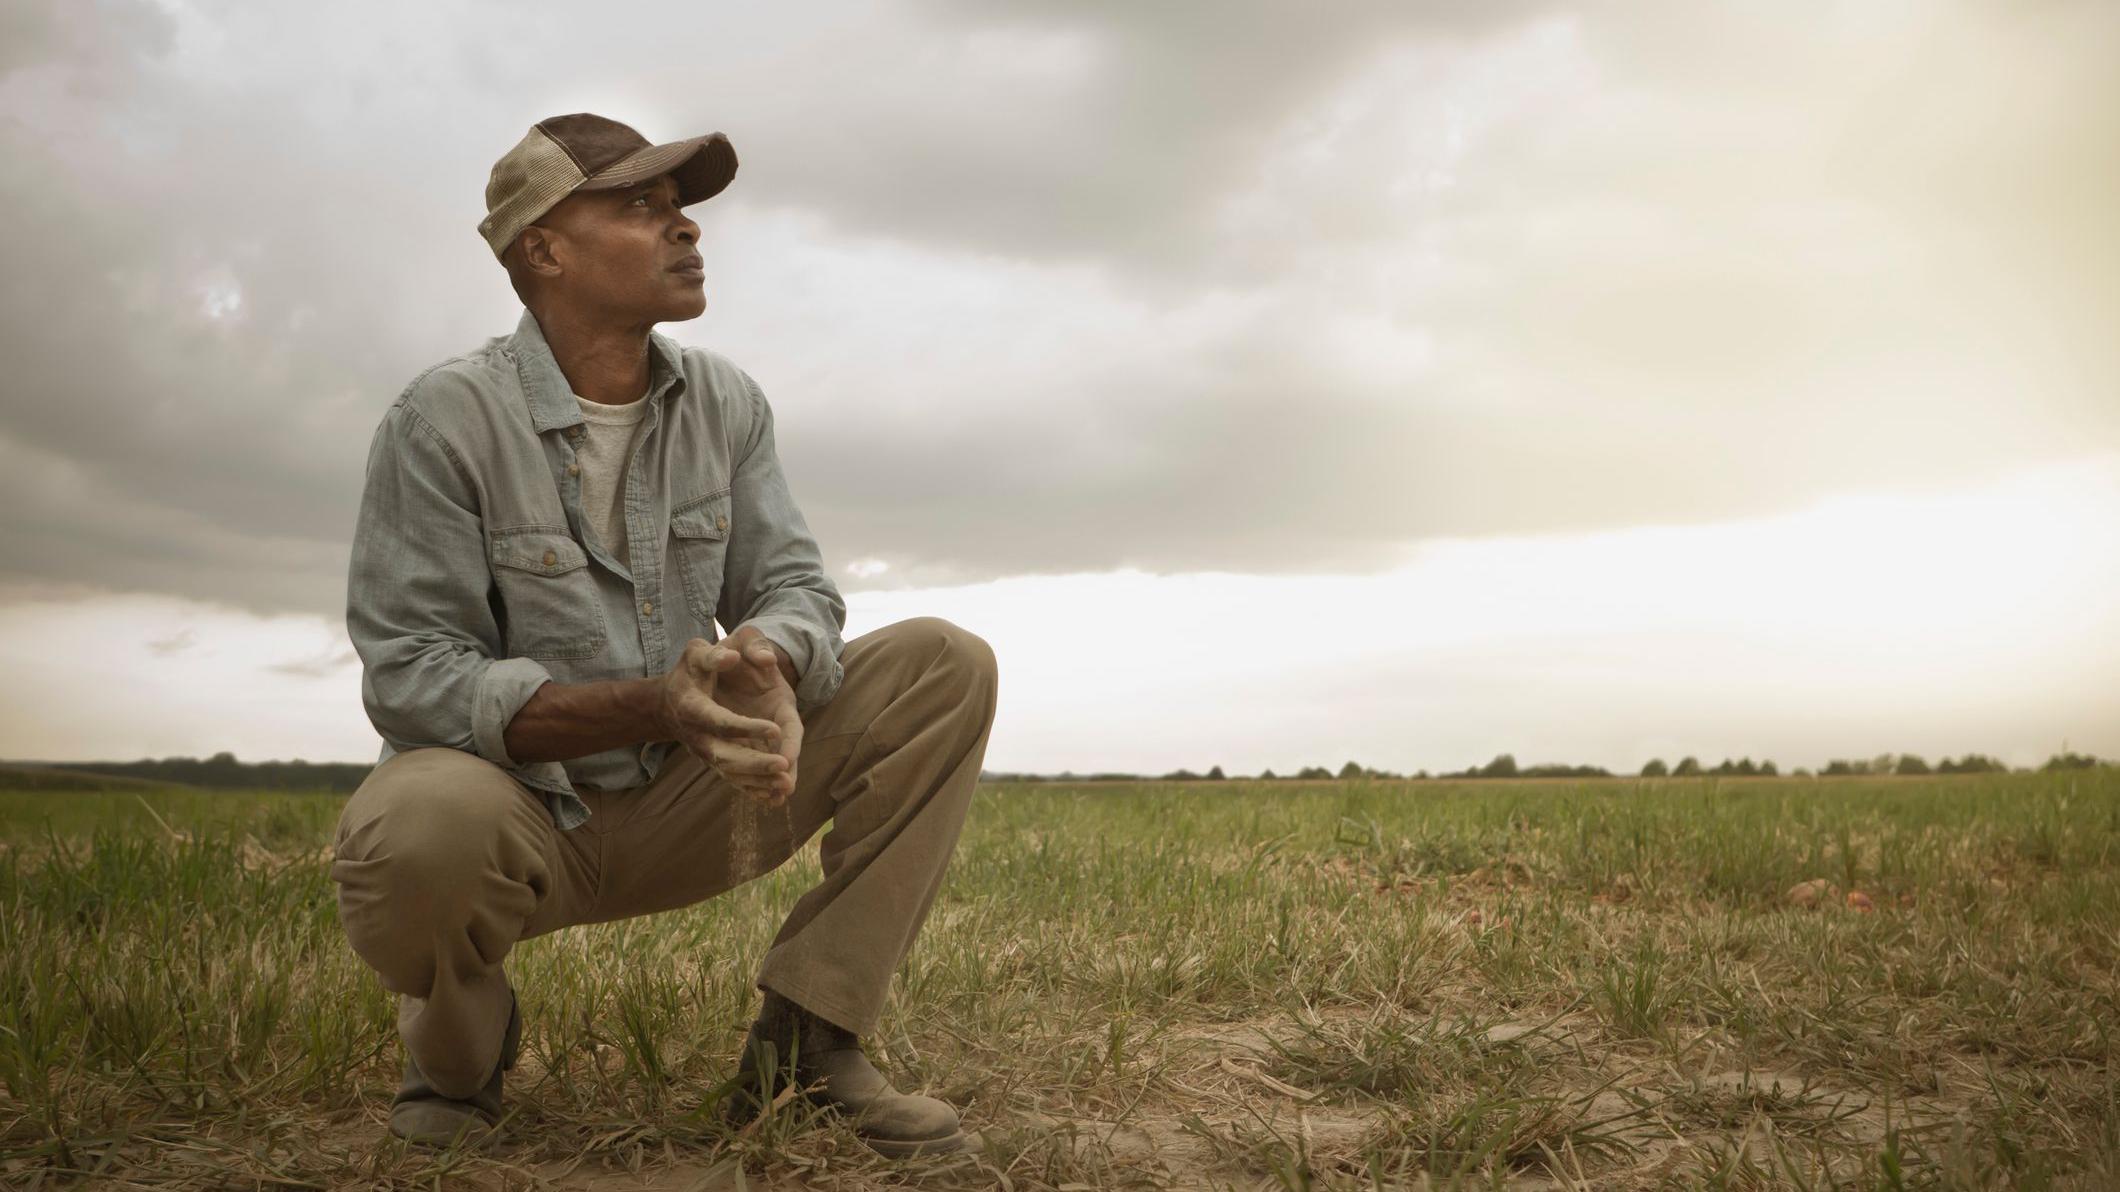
1578 985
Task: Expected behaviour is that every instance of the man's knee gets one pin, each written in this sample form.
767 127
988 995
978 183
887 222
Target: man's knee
430 806
946 644
417 847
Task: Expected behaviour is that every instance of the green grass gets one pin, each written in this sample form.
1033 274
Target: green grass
1595 984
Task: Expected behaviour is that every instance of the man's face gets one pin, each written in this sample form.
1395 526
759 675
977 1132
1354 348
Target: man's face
627 255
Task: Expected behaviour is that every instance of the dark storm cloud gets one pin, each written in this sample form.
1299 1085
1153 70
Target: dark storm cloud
1101 132
1493 269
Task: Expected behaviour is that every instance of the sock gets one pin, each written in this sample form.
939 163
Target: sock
782 1020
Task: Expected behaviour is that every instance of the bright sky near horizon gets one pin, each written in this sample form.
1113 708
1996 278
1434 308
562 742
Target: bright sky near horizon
1406 386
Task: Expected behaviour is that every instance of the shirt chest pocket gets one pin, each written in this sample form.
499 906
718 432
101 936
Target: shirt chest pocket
548 596
699 537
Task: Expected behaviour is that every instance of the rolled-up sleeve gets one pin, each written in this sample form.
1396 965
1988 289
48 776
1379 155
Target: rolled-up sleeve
775 573
418 613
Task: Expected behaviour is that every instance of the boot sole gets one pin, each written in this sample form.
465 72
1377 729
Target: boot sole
472 1129
912 1148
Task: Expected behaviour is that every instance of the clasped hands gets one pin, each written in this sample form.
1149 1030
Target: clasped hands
729 702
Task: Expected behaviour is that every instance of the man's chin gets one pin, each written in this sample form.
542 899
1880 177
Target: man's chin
686 305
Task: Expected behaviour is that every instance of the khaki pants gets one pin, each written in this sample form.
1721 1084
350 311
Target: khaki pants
444 860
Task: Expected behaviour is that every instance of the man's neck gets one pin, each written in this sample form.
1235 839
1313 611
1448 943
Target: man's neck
603 363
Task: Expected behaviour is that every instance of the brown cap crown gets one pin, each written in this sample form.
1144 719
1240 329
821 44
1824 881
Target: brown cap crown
584 151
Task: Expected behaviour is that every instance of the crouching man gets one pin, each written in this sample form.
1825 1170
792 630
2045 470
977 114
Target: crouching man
550 527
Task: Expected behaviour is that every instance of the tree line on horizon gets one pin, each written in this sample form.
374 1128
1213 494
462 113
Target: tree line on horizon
222 770
1505 766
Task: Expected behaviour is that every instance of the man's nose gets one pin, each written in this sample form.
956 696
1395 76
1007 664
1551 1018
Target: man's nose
687 231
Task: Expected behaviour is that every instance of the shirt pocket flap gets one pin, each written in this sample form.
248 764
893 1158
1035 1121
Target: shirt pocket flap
707 517
543 552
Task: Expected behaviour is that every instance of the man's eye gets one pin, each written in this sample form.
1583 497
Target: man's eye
640 198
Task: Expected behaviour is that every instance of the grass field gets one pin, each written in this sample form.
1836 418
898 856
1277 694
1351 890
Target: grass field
1240 984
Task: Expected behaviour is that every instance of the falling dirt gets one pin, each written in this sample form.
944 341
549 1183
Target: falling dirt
748 855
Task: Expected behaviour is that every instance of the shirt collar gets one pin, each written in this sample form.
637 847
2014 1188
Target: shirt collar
552 404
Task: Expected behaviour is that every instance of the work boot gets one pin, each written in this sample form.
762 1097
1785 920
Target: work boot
421 1115
833 1073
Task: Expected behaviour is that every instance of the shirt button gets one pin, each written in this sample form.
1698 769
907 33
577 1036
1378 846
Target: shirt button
551 557
647 608
574 469
721 523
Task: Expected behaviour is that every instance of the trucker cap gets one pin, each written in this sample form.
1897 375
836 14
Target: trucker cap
563 154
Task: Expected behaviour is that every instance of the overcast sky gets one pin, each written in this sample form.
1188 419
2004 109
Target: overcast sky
1270 384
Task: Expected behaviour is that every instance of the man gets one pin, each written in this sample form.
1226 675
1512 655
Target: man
550 527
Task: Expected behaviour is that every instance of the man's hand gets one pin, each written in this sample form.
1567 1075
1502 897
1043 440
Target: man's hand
732 705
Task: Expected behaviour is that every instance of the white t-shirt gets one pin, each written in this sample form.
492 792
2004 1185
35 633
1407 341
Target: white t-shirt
602 452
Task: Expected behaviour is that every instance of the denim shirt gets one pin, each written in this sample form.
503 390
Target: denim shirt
475 579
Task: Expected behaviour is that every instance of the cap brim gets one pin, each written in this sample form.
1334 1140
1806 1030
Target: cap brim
702 167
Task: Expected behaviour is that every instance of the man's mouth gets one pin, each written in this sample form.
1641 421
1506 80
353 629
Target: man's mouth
690 267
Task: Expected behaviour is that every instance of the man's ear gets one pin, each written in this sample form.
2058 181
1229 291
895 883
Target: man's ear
539 250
